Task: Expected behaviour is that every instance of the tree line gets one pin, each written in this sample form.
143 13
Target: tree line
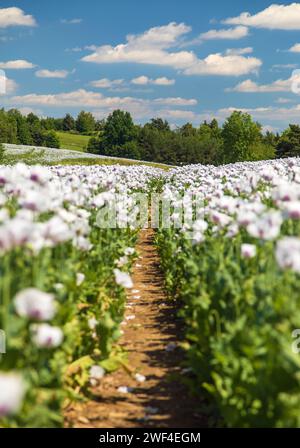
240 138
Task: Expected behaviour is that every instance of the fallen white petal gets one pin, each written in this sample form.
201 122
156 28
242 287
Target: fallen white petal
125 389
140 378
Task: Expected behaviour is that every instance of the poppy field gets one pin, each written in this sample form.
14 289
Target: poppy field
233 270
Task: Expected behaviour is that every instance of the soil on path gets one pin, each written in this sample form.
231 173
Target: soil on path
151 335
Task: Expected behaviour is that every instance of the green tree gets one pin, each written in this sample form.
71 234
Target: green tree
187 130
131 150
49 123
23 130
68 123
261 151
118 129
93 145
239 133
269 138
289 142
50 140
159 124
99 126
8 128
2 153
37 132
85 123
155 144
32 119
210 143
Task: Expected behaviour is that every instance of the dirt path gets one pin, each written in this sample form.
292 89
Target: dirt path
151 334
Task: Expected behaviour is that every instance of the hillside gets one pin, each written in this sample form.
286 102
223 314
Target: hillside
73 141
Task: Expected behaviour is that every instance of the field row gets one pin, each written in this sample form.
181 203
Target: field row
237 277
62 285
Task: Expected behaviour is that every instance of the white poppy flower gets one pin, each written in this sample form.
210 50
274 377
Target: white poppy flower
248 250
79 278
123 279
288 253
46 336
122 261
129 251
35 304
92 323
267 226
12 391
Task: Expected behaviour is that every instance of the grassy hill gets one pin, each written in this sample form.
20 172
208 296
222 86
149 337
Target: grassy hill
73 141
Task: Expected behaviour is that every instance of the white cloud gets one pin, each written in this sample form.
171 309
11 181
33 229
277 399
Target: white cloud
105 83
90 47
279 67
176 101
155 45
44 73
121 84
144 80
71 99
80 49
224 65
239 51
141 80
229 33
177 114
280 17
11 86
223 34
71 21
15 17
101 105
249 86
148 48
280 114
83 97
16 65
74 50
295 48
163 81
30 110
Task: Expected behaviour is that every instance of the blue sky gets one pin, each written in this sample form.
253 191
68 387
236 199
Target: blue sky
185 61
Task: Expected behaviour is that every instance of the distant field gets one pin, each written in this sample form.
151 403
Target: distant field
108 161
73 141
53 156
